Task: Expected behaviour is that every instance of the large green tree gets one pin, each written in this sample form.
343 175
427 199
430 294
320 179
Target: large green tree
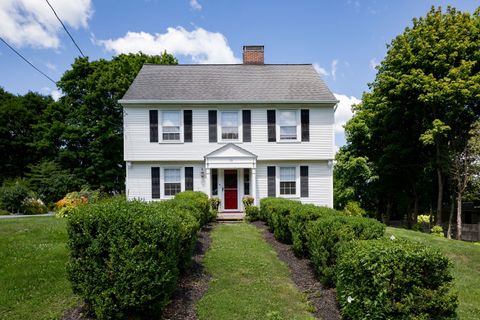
419 110
85 128
19 116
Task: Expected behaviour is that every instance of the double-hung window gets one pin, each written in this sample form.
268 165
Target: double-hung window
171 125
288 181
287 121
229 124
172 183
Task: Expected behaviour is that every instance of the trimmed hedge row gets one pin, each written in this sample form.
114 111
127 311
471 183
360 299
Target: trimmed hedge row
125 256
376 278
326 235
394 279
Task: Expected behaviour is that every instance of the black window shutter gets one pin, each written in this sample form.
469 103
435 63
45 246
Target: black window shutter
153 125
212 125
155 183
187 125
189 178
271 181
247 120
305 119
304 181
272 130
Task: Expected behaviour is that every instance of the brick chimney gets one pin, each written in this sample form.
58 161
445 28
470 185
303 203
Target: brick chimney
253 55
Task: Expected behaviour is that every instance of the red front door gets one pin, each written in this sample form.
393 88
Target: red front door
230 191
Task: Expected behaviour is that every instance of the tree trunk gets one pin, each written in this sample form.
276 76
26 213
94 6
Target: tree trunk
459 216
440 188
450 217
386 216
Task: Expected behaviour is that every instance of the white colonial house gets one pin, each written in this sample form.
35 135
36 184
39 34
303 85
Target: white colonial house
265 130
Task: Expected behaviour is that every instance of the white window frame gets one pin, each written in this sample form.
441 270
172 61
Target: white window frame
298 126
297 181
219 126
160 125
162 181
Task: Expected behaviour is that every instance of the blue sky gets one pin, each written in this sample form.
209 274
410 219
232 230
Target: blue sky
344 39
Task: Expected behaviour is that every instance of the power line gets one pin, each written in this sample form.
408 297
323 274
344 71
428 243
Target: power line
20 55
65 28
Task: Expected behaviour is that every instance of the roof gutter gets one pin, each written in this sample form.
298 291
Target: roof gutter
156 101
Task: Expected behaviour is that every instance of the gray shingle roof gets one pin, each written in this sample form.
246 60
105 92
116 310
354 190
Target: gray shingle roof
228 83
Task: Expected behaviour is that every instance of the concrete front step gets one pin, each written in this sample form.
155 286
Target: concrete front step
230 216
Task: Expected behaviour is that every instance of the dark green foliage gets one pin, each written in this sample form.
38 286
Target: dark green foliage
325 236
298 220
19 116
12 195
50 182
252 213
198 203
276 211
123 256
388 279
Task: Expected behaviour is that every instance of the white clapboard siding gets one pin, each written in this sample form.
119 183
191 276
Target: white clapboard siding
139 183
137 145
139 186
320 181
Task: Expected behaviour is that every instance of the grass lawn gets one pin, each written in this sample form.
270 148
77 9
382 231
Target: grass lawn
466 260
248 279
33 283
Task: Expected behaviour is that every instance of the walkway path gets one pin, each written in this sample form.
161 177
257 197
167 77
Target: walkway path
13 216
248 280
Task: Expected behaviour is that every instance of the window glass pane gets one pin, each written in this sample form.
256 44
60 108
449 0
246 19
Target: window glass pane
230 119
230 125
287 187
171 118
172 175
288 133
288 118
287 174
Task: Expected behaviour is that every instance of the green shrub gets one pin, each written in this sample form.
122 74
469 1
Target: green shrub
247 201
66 211
324 237
123 256
275 211
252 213
423 218
385 279
298 220
353 209
33 206
215 203
198 202
437 231
417 227
12 195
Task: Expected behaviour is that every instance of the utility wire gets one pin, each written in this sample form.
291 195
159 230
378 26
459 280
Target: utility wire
20 55
65 28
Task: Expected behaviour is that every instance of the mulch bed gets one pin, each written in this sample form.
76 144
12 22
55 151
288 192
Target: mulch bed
322 298
192 284
190 287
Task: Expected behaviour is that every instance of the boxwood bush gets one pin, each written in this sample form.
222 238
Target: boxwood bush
298 220
125 257
276 212
324 237
385 279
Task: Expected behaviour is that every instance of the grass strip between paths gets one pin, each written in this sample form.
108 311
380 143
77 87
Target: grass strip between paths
248 279
33 283
466 267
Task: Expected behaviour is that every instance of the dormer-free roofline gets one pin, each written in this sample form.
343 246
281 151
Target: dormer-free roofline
147 101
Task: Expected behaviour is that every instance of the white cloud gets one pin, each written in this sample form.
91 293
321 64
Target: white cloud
344 111
321 71
374 63
195 5
51 66
32 23
201 45
334 69
56 94
324 72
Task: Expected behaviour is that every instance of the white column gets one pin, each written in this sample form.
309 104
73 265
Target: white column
208 182
253 183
